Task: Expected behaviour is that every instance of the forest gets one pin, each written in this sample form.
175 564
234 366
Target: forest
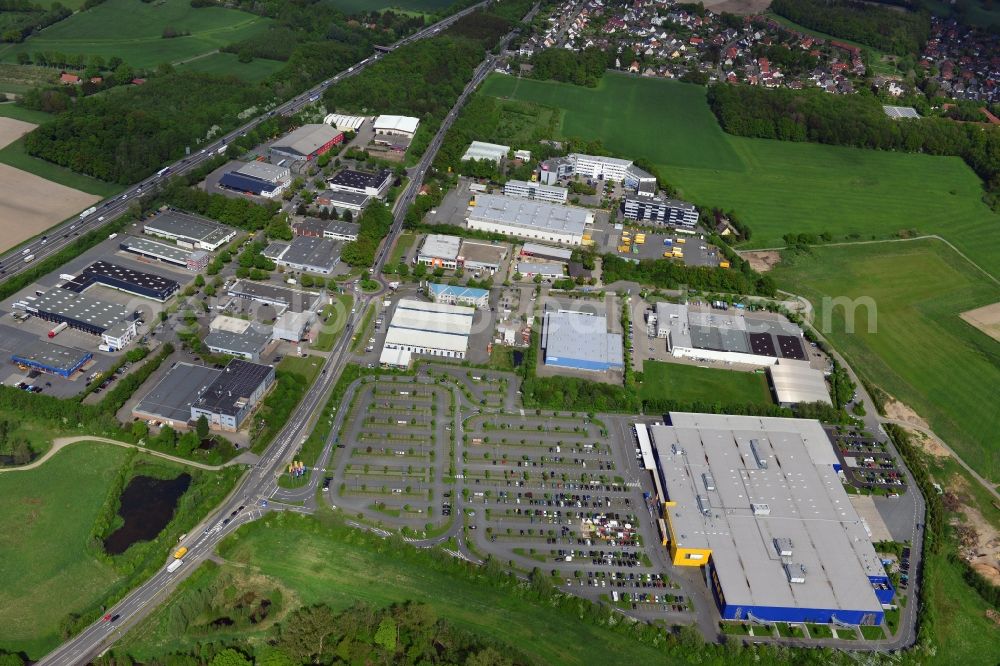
583 68
858 121
883 28
667 274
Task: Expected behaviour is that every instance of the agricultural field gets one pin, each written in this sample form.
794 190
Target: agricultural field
133 31
18 79
224 64
922 352
44 528
12 110
310 563
690 383
777 187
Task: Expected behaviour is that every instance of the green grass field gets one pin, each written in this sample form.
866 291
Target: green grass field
133 31
692 383
340 567
14 155
777 187
44 527
332 328
11 110
921 353
229 64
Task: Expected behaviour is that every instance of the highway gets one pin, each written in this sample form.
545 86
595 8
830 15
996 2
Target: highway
65 233
249 500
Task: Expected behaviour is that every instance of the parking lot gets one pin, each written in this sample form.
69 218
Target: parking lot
558 491
696 251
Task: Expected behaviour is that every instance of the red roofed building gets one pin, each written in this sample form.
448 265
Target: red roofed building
69 79
765 65
696 41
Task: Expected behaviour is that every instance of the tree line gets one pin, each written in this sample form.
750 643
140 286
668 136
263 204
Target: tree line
854 120
582 68
26 18
375 222
898 32
667 274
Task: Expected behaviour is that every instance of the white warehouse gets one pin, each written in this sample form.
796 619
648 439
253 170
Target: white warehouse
534 220
437 329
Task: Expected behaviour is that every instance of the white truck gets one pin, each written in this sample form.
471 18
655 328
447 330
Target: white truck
174 566
92 209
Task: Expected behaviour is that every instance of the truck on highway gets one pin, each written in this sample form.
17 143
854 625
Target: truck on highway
92 209
181 552
57 329
174 566
29 258
221 150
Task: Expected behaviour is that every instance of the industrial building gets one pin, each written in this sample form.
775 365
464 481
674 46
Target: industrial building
306 143
529 219
436 329
538 251
147 285
538 191
362 183
552 170
258 178
342 201
397 358
272 173
405 126
548 270
343 122
598 167
440 251
480 150
292 326
230 324
192 260
670 212
721 336
281 297
52 359
189 231
171 400
305 253
757 501
115 323
246 345
342 231
580 340
458 295
479 256
233 394
796 381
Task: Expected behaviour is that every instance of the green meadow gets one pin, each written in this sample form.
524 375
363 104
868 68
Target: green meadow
921 352
133 31
223 64
414 6
692 383
777 187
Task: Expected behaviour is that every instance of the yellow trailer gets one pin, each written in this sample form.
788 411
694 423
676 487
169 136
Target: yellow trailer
623 249
723 264
181 552
681 240
678 252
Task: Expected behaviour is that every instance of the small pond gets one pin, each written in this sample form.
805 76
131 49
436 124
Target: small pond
147 505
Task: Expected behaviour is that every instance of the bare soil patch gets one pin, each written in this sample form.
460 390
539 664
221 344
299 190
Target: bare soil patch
30 204
762 260
979 540
986 319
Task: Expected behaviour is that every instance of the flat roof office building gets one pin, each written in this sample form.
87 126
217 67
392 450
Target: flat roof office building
171 400
436 329
545 252
669 212
270 294
306 253
50 358
238 182
534 220
481 256
362 183
548 270
405 126
189 231
439 250
246 345
343 231
342 201
458 295
537 191
758 502
580 341
234 393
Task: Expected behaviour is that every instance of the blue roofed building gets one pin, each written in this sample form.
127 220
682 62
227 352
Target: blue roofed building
458 295
240 182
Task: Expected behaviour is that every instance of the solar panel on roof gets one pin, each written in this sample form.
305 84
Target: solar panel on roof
763 344
791 347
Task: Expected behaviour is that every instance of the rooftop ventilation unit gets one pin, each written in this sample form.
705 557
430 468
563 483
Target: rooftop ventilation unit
704 506
708 480
796 572
784 546
677 449
757 454
761 509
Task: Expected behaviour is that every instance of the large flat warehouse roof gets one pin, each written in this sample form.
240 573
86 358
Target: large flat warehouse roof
763 496
173 395
307 139
189 227
530 214
91 311
51 356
